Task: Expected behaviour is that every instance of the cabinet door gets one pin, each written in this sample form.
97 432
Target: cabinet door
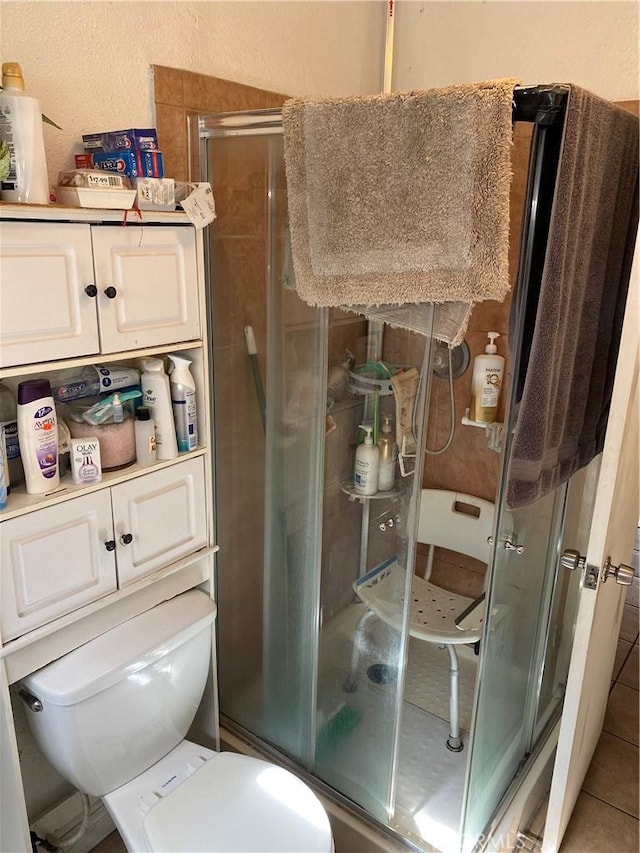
159 518
54 560
147 280
46 312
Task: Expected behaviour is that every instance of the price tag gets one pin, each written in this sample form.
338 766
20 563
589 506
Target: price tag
200 206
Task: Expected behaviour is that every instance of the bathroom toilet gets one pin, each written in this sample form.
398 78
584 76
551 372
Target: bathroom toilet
113 719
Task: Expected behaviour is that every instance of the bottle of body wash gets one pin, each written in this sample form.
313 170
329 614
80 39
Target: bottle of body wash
486 382
388 456
38 436
365 481
156 396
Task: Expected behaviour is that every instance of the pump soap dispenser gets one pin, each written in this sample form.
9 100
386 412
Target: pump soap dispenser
488 370
365 481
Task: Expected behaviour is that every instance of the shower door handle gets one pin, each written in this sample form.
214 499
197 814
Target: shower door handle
508 545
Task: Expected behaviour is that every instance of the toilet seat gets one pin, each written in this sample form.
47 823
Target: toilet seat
195 799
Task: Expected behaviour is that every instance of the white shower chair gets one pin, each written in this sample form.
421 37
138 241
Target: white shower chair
452 520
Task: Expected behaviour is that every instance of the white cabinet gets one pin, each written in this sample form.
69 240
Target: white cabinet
46 312
70 289
147 286
62 557
158 519
54 561
80 287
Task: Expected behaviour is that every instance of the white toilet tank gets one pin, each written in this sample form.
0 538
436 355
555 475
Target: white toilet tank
118 704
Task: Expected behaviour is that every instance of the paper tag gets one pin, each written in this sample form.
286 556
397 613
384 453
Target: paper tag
200 206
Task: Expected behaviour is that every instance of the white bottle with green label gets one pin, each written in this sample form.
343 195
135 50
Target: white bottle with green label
183 400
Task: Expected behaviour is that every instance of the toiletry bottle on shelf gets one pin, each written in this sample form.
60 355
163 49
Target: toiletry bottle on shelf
365 481
21 129
488 370
38 436
9 420
4 471
183 400
156 396
145 437
388 456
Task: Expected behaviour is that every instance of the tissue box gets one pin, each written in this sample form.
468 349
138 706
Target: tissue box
133 139
155 193
136 164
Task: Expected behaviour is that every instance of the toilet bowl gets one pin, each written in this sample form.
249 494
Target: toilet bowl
113 720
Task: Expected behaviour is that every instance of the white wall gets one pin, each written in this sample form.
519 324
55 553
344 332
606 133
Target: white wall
88 62
591 43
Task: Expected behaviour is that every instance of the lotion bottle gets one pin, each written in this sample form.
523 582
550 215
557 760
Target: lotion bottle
183 400
486 382
365 481
21 128
156 396
38 436
387 460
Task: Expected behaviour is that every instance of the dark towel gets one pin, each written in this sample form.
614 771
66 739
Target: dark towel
563 413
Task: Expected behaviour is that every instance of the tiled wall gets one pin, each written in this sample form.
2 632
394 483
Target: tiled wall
179 94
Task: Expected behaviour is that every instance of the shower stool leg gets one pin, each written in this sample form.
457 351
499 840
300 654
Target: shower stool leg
351 682
453 741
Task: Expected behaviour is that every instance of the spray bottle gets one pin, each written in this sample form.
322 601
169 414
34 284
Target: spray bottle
365 481
183 400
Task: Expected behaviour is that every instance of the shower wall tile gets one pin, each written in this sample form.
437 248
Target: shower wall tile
172 140
189 93
168 84
237 415
240 607
237 280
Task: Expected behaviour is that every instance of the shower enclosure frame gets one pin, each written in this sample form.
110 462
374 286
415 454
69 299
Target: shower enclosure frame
544 107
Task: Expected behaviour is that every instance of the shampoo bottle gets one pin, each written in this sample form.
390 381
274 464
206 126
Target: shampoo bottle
387 460
183 400
156 396
488 370
365 481
21 129
38 436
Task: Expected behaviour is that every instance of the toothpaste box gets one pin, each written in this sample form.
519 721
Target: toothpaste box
136 164
134 139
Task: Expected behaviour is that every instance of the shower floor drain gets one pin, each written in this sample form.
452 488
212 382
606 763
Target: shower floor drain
380 673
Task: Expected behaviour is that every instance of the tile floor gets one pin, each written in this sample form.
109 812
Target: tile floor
605 819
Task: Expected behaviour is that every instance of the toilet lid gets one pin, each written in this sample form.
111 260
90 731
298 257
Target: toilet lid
235 803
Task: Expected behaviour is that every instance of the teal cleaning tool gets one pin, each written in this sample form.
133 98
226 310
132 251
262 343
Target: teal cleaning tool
336 728
108 407
257 379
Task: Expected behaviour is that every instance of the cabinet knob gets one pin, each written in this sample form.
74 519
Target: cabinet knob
110 545
91 290
126 539
110 292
